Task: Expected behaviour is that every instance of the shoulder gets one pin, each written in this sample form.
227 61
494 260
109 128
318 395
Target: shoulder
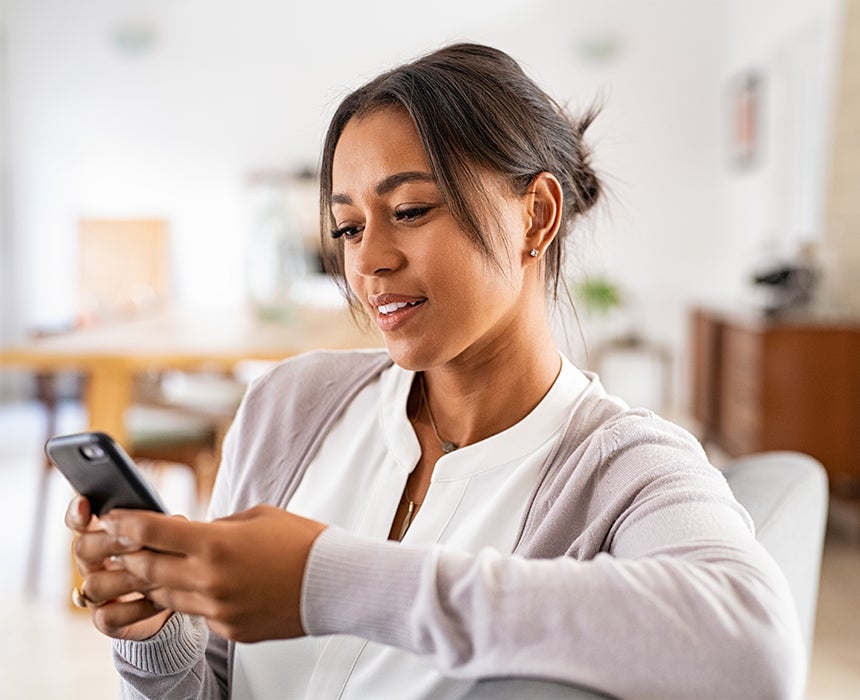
283 418
308 390
610 459
319 371
605 424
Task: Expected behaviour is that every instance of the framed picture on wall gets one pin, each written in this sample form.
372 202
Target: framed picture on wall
745 120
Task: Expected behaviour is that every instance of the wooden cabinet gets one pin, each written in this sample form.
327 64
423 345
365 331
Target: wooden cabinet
769 384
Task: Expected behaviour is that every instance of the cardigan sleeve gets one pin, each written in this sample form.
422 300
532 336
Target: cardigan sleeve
664 593
174 663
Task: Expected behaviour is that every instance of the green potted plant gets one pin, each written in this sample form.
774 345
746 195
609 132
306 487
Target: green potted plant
599 295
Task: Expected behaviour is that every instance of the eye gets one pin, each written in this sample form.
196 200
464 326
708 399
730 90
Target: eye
411 213
348 232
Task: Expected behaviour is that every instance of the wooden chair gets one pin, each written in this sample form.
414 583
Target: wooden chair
124 273
123 269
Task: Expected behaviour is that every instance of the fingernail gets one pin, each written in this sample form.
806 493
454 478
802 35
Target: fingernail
79 508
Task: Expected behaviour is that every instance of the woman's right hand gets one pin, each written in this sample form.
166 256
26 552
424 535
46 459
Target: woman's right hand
116 598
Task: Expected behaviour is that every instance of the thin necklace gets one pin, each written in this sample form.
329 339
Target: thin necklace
447 445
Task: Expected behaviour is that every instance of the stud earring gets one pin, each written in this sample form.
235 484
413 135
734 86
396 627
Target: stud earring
534 252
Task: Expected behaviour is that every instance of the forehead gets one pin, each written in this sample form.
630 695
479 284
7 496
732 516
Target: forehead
375 146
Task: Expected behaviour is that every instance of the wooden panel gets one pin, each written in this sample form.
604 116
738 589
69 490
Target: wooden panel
123 267
743 348
740 389
741 426
813 375
705 370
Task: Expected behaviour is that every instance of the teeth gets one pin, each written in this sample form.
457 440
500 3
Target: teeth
391 308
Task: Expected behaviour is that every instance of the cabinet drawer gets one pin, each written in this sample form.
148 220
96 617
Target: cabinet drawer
741 390
741 385
743 350
741 421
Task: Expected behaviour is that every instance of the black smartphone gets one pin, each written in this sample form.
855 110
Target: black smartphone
97 467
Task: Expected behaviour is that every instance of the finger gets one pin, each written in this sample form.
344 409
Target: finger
189 602
78 514
113 619
104 586
158 569
93 550
152 530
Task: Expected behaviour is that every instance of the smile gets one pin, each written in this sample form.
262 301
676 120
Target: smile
391 308
394 312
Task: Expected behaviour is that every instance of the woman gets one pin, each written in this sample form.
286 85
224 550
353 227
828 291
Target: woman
468 504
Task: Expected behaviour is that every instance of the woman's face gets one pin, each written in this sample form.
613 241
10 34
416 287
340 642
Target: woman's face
434 295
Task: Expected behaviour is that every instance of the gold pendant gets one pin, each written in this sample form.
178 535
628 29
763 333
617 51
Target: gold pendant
410 509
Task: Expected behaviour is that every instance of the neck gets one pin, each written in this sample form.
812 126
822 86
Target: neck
475 397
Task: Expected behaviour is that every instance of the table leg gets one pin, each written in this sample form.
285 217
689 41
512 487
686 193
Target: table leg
107 396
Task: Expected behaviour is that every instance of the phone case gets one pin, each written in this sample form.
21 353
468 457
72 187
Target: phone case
98 468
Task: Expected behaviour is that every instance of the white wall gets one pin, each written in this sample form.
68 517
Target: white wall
226 88
232 87
657 144
840 290
779 203
7 268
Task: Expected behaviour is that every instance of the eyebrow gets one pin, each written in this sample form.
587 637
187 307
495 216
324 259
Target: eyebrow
389 184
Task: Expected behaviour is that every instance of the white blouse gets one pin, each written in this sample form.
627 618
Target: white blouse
477 498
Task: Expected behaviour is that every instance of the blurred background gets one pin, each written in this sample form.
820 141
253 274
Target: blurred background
727 140
189 111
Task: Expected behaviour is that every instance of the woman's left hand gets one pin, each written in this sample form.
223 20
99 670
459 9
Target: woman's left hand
242 573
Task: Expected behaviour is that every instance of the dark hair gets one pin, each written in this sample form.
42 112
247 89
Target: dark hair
475 111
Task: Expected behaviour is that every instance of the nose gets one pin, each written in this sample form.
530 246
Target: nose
376 253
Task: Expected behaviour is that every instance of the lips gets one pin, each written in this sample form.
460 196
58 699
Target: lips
394 310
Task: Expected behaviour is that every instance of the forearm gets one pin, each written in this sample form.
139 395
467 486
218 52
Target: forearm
680 628
172 664
709 622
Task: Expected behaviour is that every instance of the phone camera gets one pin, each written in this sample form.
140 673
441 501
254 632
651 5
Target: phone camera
93 452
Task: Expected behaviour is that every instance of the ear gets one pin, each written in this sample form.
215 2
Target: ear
544 200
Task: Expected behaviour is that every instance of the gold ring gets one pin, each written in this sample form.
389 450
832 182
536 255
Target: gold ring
79 599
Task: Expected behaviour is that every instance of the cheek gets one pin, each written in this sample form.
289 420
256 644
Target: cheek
479 271
356 285
476 286
353 279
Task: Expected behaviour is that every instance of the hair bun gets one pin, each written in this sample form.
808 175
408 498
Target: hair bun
588 187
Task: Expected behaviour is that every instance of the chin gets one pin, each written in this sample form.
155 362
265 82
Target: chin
412 356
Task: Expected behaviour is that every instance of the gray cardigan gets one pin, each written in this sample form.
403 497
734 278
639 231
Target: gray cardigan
635 573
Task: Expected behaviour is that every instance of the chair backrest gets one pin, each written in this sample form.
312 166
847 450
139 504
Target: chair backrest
123 267
786 494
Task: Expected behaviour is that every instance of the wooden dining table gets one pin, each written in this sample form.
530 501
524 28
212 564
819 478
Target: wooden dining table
110 356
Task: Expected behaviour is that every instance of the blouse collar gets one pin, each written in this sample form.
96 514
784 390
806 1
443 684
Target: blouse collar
543 423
